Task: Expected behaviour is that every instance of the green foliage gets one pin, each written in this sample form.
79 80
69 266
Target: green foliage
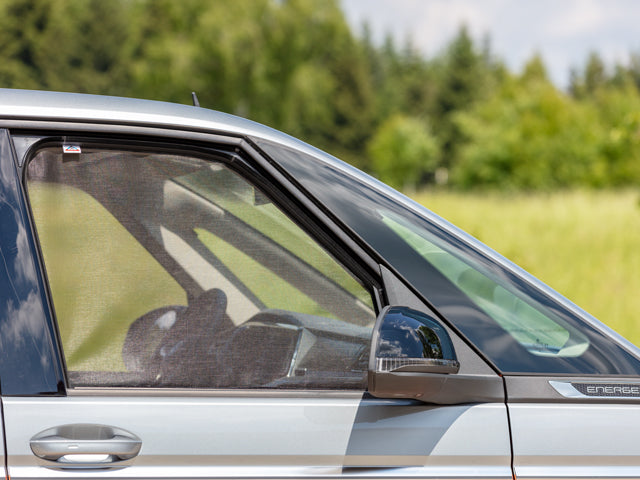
296 65
461 74
592 79
71 45
618 111
403 151
529 135
463 79
162 62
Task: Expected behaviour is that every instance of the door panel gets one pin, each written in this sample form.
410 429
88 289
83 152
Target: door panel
430 441
271 437
193 437
575 440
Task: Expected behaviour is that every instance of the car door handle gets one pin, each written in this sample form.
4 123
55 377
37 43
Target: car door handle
84 443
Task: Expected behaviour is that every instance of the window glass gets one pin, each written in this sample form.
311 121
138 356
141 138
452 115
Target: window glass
532 325
100 276
173 271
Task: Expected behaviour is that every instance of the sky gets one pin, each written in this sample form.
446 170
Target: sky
564 32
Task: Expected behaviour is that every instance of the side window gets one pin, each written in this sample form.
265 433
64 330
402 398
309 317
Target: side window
173 271
529 324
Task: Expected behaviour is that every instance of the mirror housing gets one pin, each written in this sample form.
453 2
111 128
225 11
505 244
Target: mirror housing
412 356
407 340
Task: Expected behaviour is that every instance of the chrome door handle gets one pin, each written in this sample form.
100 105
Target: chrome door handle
84 443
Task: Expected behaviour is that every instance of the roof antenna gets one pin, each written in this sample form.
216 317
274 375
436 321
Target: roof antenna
194 97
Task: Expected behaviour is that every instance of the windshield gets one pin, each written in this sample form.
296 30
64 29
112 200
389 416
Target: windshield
520 327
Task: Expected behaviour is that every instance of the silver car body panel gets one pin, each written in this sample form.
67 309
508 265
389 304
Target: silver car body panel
277 437
575 440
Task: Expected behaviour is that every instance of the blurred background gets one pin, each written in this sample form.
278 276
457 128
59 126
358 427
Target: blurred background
517 121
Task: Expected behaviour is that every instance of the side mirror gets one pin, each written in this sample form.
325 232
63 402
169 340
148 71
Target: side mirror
406 340
411 356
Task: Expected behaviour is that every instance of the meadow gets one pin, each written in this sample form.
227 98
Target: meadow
584 244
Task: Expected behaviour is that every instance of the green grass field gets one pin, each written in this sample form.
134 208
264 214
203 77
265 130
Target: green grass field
585 245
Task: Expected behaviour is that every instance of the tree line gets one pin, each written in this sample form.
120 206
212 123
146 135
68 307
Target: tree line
459 119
